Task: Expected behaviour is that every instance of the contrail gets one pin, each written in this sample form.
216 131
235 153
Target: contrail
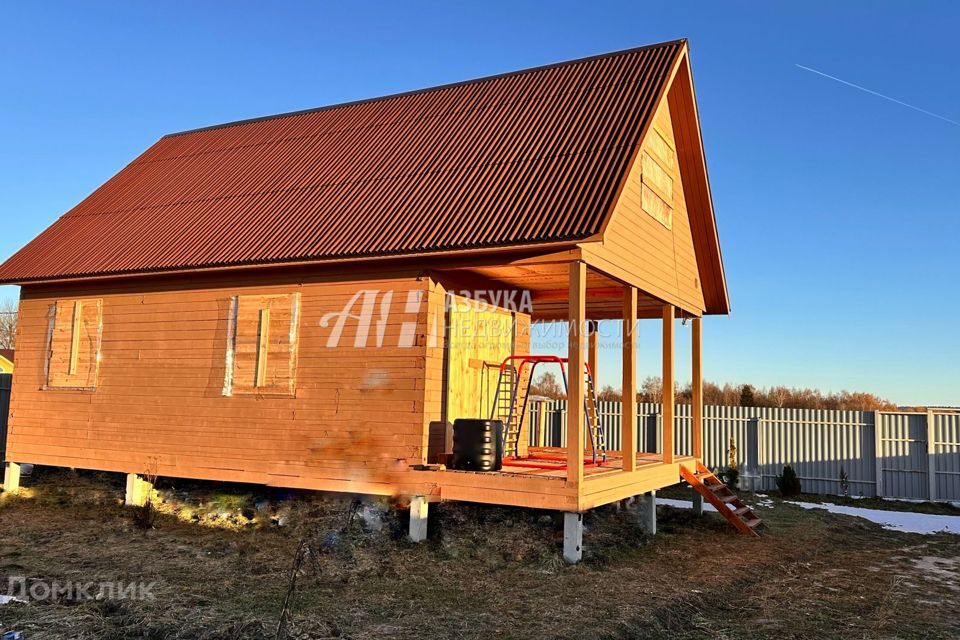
880 95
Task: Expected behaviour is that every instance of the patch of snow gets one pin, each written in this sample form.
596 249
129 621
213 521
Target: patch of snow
9 599
683 504
906 521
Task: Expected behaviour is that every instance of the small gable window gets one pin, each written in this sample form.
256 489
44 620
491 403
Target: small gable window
262 345
73 357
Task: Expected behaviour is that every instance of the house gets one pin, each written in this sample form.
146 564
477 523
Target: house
308 300
6 361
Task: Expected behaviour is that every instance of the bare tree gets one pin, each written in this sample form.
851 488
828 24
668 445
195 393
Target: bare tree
546 385
651 389
608 393
779 396
8 323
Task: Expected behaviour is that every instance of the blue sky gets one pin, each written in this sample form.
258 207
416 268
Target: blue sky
837 210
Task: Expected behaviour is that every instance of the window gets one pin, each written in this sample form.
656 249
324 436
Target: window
262 345
73 357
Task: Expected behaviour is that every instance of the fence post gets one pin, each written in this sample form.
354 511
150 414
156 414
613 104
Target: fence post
878 450
931 455
751 456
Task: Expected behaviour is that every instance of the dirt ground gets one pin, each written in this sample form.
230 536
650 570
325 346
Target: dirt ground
221 563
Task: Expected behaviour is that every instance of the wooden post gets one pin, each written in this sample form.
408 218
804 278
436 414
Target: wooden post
593 352
75 337
11 478
668 381
628 400
696 435
575 379
263 342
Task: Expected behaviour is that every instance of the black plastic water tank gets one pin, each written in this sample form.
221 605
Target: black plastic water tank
477 445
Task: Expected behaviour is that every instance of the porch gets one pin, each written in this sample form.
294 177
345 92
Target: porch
579 292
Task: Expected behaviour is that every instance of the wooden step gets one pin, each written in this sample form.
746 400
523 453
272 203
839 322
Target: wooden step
721 497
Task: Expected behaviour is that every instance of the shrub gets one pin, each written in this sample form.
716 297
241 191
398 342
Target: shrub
788 482
730 477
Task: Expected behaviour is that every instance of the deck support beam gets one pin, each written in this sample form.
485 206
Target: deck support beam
577 312
419 511
11 478
628 401
648 513
138 491
696 352
572 537
668 383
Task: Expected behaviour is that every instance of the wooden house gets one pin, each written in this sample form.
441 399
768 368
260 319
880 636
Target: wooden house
281 300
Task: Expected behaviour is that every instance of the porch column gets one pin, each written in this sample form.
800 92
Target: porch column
696 438
668 382
593 351
628 400
575 379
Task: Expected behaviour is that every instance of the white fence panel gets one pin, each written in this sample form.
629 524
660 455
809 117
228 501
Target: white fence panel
859 453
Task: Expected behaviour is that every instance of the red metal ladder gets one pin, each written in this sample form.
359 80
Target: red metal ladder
513 391
722 498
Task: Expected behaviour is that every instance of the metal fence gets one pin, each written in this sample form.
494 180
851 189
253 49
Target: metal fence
860 453
6 380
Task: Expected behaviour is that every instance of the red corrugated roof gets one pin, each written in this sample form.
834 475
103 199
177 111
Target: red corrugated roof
528 157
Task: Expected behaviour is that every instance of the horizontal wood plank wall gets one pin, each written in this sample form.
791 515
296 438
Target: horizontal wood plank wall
358 413
457 384
640 248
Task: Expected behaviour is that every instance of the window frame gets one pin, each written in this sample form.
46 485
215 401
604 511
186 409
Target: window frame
262 351
73 349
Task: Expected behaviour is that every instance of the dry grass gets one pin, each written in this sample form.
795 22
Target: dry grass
222 559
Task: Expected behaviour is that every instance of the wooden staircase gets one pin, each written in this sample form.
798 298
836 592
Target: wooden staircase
722 498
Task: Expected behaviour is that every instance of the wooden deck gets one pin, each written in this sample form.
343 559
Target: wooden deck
548 488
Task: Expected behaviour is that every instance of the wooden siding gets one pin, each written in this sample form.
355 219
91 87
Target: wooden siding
479 339
648 241
357 413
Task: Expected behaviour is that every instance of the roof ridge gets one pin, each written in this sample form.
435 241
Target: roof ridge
390 96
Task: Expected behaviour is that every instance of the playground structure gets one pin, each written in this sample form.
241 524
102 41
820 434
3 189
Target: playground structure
512 400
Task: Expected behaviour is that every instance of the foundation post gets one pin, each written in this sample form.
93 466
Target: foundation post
11 478
138 490
572 537
419 510
697 504
648 513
